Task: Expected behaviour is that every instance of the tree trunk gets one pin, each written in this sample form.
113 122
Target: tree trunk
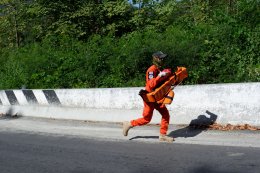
17 39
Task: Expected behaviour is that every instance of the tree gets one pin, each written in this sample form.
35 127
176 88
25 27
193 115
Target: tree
12 22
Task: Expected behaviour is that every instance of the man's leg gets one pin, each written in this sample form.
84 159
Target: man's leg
164 123
165 119
147 116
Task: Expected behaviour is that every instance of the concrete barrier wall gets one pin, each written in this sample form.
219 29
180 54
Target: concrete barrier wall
228 103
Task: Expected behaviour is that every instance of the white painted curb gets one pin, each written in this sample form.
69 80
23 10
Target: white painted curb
237 103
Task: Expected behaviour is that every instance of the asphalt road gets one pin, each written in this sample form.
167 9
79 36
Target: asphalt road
41 153
50 146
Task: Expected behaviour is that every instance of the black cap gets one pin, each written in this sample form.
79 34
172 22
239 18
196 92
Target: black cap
160 55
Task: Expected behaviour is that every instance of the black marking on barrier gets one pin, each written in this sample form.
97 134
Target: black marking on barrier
51 97
30 97
11 97
1 102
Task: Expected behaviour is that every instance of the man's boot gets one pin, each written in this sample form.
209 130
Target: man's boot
165 138
126 126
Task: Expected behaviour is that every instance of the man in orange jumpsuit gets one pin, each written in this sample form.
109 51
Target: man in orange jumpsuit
154 77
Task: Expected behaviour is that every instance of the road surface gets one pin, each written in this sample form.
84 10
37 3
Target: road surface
31 145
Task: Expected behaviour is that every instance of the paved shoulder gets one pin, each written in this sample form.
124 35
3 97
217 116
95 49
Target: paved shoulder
113 132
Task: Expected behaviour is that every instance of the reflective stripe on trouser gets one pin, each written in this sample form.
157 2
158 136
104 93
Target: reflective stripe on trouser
148 113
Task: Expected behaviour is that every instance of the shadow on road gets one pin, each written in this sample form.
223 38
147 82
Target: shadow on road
144 137
196 126
210 169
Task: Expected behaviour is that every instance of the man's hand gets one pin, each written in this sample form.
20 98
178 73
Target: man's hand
162 73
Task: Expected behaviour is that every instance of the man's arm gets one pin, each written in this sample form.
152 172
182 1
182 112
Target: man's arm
153 79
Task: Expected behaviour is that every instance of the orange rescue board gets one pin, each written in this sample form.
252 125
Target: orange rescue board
164 94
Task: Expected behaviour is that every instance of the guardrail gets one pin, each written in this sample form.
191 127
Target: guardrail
235 103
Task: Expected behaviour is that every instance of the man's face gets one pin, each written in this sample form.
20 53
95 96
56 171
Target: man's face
160 61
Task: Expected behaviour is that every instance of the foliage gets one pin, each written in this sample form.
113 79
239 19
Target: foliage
93 43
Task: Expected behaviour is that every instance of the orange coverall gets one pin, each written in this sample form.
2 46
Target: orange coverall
152 80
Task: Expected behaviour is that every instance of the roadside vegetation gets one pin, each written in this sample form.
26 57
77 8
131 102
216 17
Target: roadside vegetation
95 43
